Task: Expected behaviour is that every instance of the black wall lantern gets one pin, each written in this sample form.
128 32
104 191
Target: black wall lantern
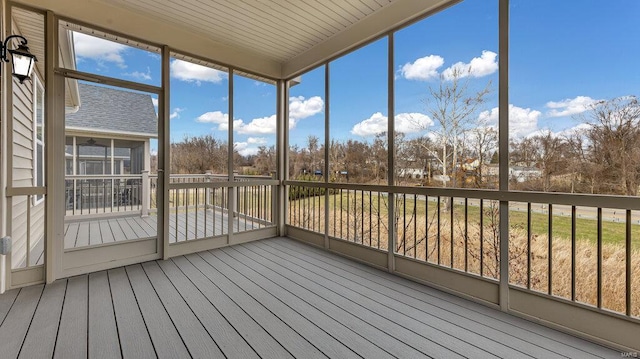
23 60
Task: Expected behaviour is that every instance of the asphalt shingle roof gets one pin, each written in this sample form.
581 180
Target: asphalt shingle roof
108 109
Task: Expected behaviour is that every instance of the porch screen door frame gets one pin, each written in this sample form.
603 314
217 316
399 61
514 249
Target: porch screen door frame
70 262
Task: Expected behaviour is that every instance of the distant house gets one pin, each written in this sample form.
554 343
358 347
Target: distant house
110 132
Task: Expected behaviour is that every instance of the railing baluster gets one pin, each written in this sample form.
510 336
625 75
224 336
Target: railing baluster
438 239
482 237
628 263
415 225
550 251
404 224
451 228
362 216
466 234
573 253
529 235
378 240
370 218
599 251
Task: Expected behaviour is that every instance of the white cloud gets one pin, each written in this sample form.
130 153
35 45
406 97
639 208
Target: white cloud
423 69
190 72
216 117
300 108
522 121
98 49
154 101
176 113
257 140
261 126
569 107
404 122
140 75
481 66
244 149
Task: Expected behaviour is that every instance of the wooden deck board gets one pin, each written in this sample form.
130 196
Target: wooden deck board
308 329
163 333
421 295
41 338
197 339
272 298
103 330
373 319
356 343
72 332
436 328
413 306
223 333
132 331
282 331
261 341
18 321
6 302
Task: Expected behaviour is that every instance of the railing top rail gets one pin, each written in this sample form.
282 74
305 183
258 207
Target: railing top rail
125 176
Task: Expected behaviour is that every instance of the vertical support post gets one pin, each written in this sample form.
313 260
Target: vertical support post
282 141
327 144
391 264
503 149
164 164
230 189
4 170
54 151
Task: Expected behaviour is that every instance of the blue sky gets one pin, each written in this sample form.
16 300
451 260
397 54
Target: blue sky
564 55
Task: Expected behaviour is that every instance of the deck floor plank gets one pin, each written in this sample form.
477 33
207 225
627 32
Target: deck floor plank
103 329
468 311
105 231
413 307
372 319
310 330
282 331
71 235
132 330
95 233
137 228
225 335
275 298
195 336
7 300
83 234
164 335
129 233
41 338
261 341
72 332
18 321
356 343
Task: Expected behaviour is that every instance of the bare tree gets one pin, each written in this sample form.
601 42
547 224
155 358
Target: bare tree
614 137
453 106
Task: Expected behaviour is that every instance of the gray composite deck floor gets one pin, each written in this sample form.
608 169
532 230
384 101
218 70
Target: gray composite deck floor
273 298
182 227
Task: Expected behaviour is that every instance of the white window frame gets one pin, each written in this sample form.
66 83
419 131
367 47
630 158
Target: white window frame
38 166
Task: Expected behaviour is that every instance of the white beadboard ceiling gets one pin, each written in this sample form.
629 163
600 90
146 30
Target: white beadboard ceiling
278 29
274 38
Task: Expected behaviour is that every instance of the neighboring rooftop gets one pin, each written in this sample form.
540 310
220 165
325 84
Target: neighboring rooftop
106 109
